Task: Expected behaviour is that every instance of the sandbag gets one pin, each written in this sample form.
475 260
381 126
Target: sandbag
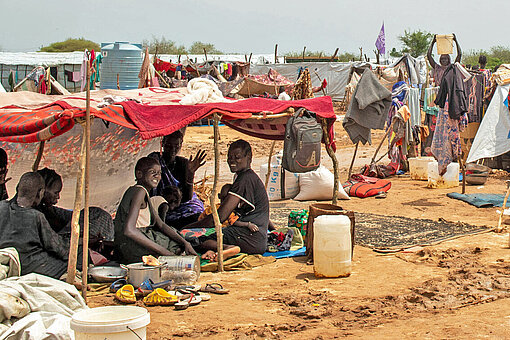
279 178
318 185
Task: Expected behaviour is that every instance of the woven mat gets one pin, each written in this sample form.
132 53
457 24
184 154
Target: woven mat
394 233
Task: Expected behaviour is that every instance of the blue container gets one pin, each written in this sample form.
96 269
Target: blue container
123 59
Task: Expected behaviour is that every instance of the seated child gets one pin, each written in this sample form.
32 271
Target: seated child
169 201
139 230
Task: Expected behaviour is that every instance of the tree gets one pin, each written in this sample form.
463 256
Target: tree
415 43
163 46
496 55
198 48
71 45
395 53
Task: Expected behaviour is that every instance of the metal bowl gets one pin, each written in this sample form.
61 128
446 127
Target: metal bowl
107 274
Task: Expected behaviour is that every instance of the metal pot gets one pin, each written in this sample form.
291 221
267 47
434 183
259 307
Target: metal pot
138 272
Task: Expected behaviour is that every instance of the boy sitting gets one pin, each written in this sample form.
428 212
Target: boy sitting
139 230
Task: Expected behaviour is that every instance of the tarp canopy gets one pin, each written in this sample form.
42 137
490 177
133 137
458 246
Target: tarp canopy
493 136
28 117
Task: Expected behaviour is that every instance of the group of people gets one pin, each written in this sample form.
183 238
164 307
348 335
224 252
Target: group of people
149 217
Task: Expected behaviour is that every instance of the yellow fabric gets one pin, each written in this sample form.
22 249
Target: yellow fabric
229 221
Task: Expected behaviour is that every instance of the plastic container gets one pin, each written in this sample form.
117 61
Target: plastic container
180 269
449 180
332 246
111 322
444 43
123 59
419 168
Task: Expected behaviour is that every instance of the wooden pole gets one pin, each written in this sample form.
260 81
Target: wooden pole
205 53
216 218
499 229
269 163
303 55
463 168
352 162
249 58
331 154
334 55
118 81
382 141
276 53
38 158
75 226
85 259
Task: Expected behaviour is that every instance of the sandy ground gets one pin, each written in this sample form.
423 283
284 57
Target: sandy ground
459 289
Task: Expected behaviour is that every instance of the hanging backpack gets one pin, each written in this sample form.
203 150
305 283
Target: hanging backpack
302 144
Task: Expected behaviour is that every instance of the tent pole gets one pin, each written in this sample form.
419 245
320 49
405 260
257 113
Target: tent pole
269 163
216 218
463 169
500 220
276 53
352 162
331 154
382 140
86 212
75 226
40 151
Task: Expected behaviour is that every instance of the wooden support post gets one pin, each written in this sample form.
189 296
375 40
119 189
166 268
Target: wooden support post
118 81
205 53
463 169
75 226
361 54
334 55
269 164
382 141
303 55
216 218
352 162
276 53
249 58
331 154
499 229
85 259
38 158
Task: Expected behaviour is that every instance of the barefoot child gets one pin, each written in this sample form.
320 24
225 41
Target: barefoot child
139 230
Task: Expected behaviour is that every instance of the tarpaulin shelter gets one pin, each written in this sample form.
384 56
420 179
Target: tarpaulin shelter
27 117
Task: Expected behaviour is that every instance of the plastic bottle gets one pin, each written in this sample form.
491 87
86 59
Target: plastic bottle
180 269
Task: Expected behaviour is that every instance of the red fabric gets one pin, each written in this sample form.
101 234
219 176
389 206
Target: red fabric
156 121
368 186
42 83
164 66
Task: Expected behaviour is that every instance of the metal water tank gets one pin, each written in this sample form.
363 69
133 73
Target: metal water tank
123 60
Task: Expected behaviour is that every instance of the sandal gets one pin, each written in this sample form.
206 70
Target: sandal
160 297
185 303
150 285
116 285
126 294
191 288
215 288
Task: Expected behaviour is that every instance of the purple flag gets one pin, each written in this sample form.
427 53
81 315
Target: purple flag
380 43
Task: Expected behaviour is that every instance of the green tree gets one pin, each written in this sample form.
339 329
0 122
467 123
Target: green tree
71 45
416 43
163 46
347 56
395 53
198 48
496 55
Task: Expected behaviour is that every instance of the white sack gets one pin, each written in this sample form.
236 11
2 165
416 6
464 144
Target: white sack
318 185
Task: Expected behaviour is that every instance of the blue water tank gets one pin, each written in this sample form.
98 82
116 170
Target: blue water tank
123 59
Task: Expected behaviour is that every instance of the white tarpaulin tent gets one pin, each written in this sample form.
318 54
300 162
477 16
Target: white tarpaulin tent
336 74
493 136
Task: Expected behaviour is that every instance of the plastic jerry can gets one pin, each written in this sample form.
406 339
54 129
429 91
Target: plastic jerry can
332 246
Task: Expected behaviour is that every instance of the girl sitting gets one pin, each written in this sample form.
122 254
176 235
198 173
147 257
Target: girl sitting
139 231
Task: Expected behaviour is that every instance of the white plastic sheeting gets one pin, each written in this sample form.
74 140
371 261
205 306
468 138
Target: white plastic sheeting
493 136
336 74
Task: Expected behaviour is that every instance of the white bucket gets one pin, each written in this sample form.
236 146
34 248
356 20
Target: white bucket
111 322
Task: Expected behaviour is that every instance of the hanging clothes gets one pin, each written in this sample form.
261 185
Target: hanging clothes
429 106
303 87
414 106
474 88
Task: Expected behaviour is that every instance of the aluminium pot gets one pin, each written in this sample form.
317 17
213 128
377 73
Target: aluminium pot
138 272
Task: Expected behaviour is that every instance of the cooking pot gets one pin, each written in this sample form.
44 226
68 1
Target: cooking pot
139 272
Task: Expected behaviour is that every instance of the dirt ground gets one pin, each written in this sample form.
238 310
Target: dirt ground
458 289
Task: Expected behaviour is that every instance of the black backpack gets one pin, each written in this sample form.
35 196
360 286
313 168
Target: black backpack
302 144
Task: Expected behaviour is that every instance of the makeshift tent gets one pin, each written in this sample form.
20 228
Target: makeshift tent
33 83
492 138
260 84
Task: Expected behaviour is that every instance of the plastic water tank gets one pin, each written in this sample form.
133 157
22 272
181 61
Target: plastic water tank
123 59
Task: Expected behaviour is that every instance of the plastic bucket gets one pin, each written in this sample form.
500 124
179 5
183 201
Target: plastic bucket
111 322
318 209
444 43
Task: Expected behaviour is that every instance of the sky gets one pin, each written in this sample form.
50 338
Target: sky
238 26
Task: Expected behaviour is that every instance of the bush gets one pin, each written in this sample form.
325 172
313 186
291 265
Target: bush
71 45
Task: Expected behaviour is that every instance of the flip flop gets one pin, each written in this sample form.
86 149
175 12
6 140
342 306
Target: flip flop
191 288
381 194
150 285
116 285
160 297
205 297
126 294
185 303
214 288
